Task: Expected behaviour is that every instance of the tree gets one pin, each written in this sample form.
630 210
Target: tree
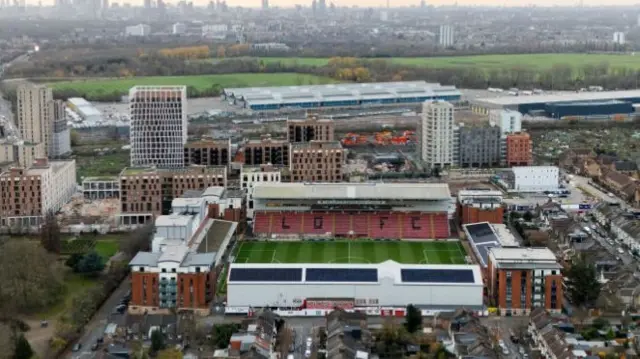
23 349
157 341
50 236
169 354
582 283
31 278
221 334
221 52
73 260
528 216
74 138
90 264
137 240
600 323
413 317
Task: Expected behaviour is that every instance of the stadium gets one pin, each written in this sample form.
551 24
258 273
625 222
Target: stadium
359 210
380 278
339 95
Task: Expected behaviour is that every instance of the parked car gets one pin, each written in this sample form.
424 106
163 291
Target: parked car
76 347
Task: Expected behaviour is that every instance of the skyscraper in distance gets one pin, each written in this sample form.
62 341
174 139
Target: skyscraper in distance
158 125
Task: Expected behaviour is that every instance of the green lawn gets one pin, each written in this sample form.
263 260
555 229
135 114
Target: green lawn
110 164
351 252
106 248
490 62
202 82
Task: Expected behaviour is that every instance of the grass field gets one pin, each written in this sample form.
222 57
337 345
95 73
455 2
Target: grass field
490 62
351 252
122 85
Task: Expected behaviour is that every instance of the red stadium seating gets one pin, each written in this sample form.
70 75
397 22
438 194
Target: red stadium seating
371 225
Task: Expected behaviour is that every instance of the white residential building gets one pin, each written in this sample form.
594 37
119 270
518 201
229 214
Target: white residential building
446 36
60 143
158 125
137 30
618 38
63 183
436 134
218 31
510 121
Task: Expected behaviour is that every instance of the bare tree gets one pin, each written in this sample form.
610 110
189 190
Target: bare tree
137 240
50 236
6 341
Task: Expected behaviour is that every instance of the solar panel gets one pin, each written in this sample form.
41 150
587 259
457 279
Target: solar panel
341 275
481 233
266 275
437 275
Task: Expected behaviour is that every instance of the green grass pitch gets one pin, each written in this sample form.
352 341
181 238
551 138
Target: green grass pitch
351 252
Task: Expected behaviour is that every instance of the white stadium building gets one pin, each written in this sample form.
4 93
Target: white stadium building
387 287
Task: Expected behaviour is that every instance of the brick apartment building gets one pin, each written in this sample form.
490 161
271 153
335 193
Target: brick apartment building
476 206
520 279
519 149
28 194
266 151
317 161
148 192
207 152
310 129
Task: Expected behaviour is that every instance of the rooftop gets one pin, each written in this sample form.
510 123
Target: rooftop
566 97
190 170
173 220
517 257
316 145
406 191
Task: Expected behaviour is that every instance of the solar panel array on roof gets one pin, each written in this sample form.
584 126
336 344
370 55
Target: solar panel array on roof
481 233
341 275
265 275
437 275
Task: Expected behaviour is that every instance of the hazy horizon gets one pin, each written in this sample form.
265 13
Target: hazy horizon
398 3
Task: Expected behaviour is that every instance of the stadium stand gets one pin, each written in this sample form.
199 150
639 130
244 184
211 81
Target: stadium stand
371 210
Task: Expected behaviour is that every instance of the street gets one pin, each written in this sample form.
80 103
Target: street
95 328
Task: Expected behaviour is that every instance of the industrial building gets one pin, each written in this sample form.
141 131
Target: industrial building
567 105
520 279
339 95
530 179
158 125
83 108
366 210
387 284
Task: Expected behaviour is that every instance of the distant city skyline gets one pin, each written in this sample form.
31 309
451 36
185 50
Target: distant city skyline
382 3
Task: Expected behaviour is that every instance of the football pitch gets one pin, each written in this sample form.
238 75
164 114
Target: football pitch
351 252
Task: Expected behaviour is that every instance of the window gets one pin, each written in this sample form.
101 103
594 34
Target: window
164 270
173 270
197 269
141 269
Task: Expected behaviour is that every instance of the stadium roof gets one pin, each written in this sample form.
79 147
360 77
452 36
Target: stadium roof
337 191
407 274
565 97
339 92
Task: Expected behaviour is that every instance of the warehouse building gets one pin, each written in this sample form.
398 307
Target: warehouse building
339 95
387 284
579 104
530 179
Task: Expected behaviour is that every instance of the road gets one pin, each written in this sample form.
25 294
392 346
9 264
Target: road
95 328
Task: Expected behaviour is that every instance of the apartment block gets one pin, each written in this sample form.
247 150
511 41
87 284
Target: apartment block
317 161
35 114
20 153
435 135
310 129
181 270
477 146
158 125
521 279
101 187
519 149
207 152
148 192
26 195
250 175
60 144
266 151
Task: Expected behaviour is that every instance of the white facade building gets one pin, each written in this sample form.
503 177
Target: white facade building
436 134
387 284
63 183
178 28
618 38
137 30
446 36
158 125
218 31
535 178
101 187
